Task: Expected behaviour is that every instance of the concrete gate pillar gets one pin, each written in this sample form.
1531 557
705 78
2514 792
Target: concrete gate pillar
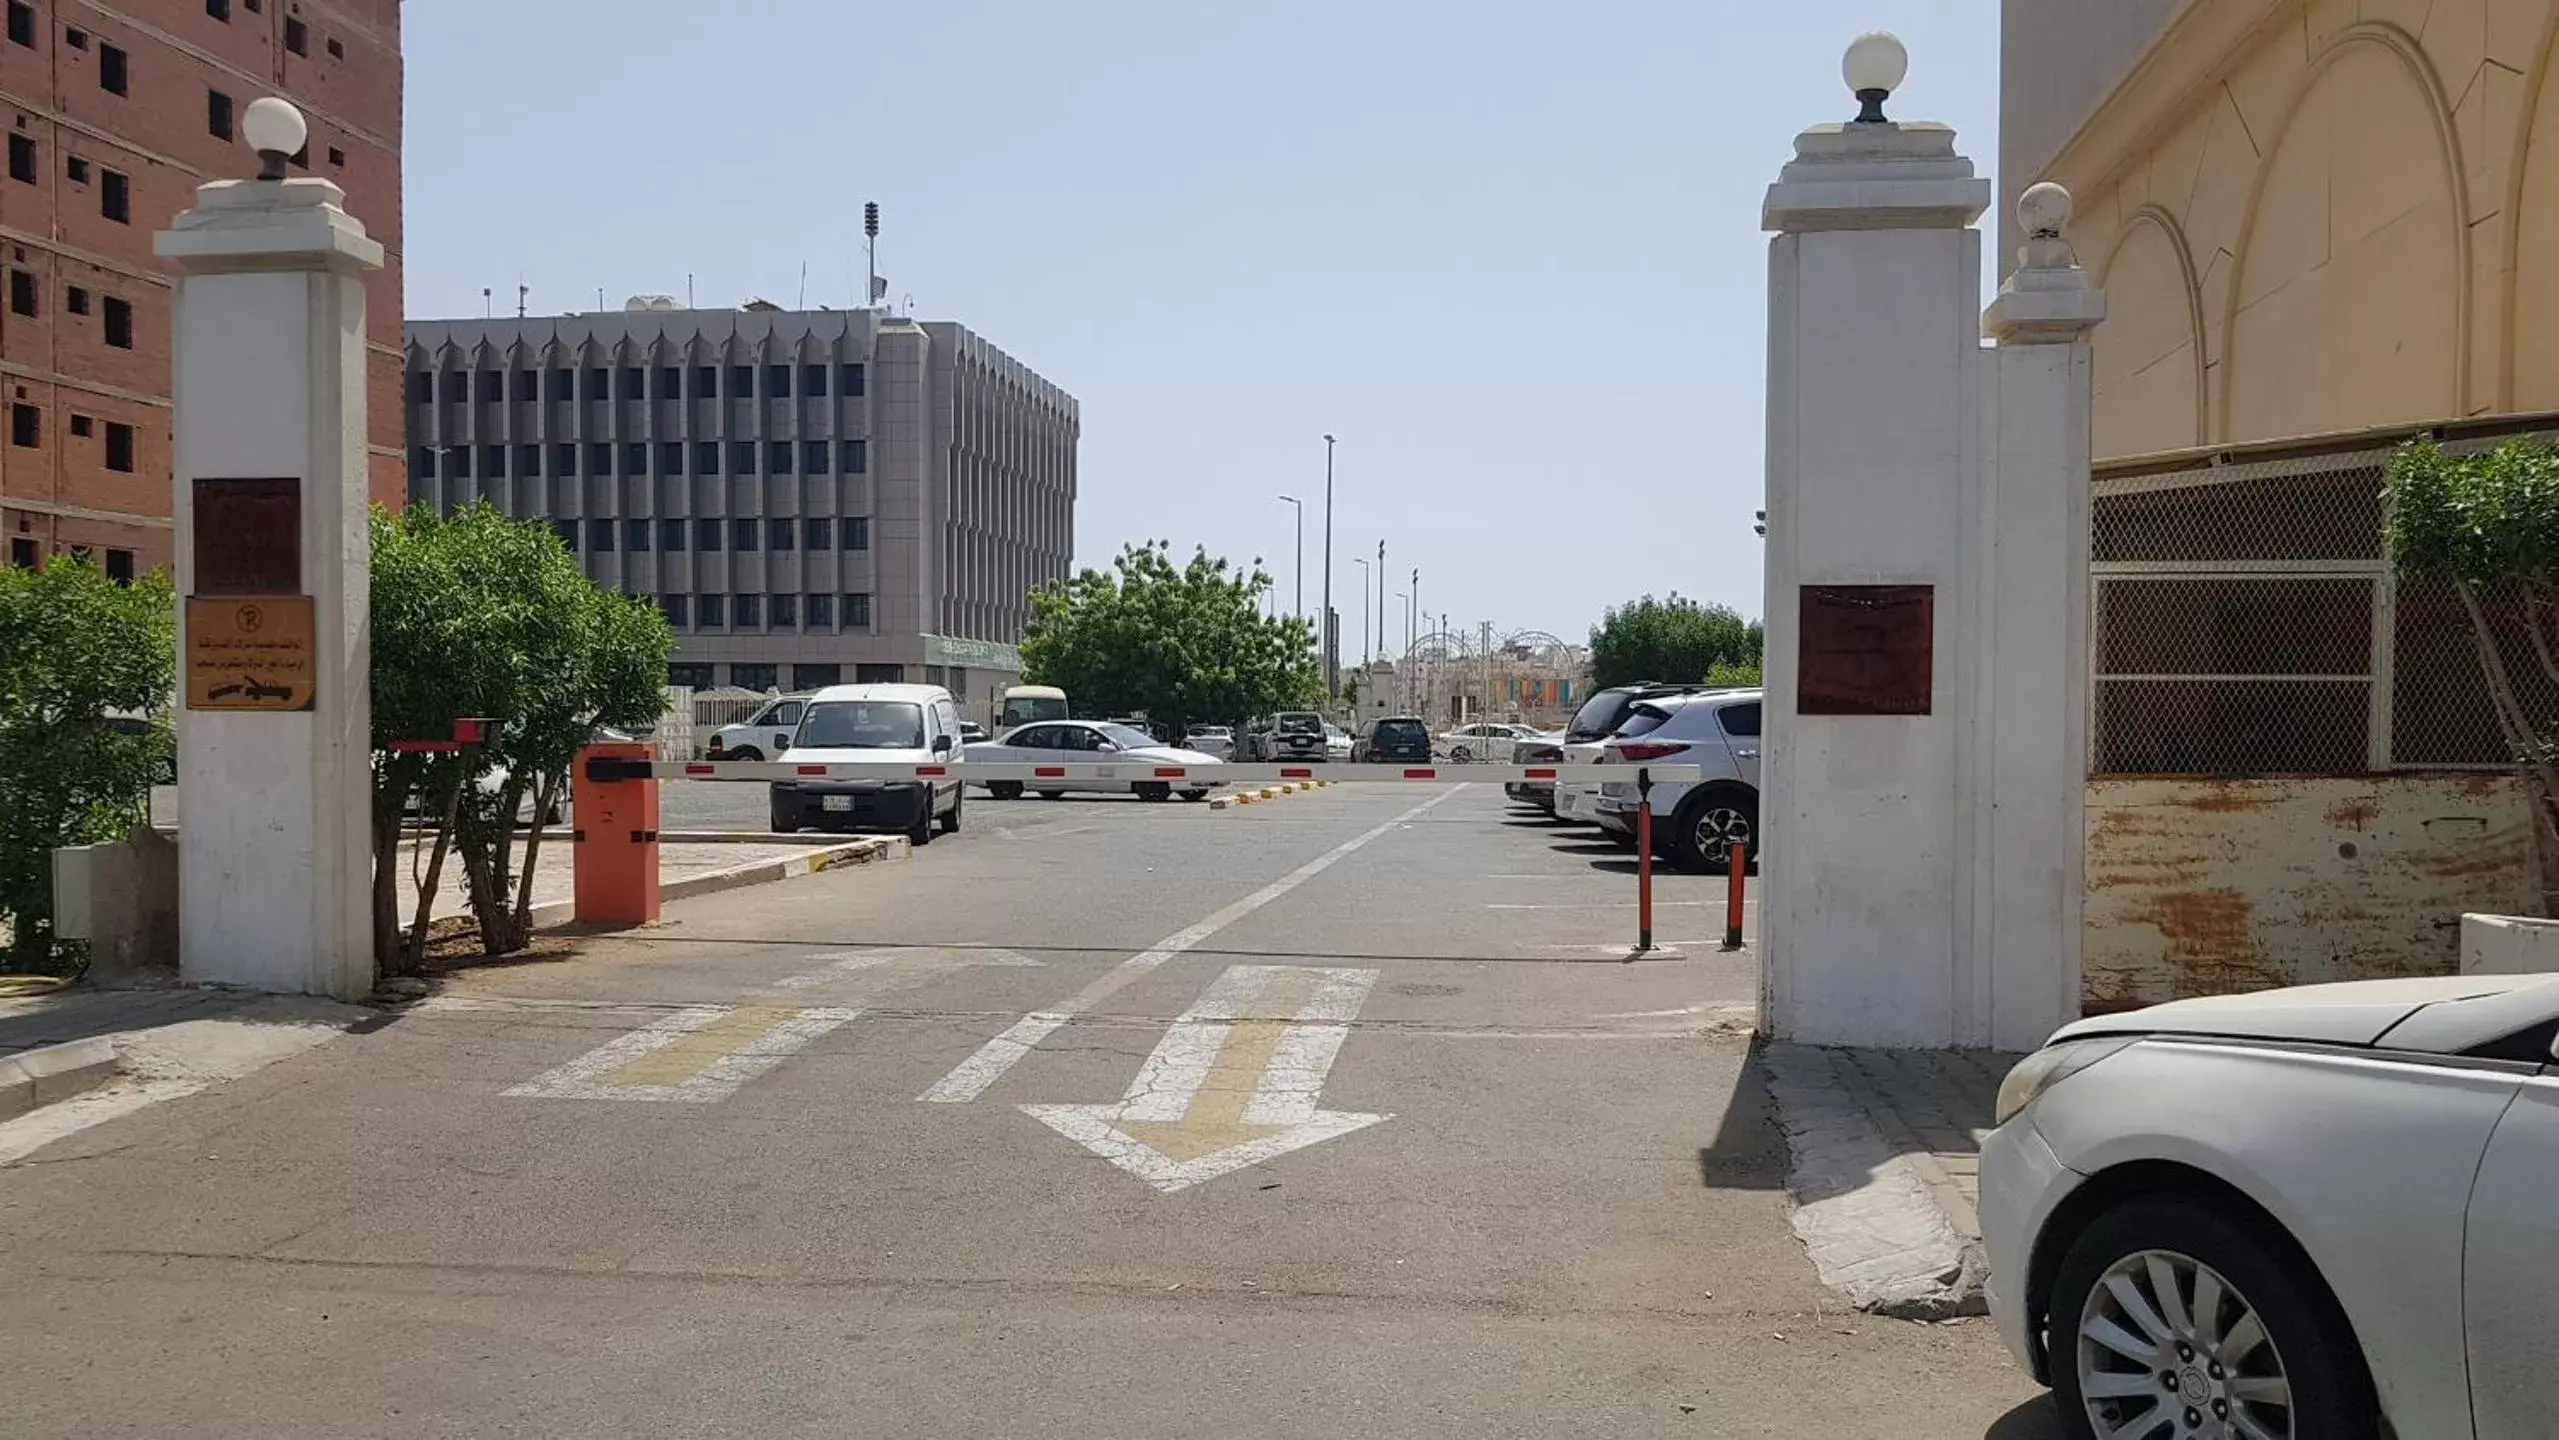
1924 762
275 725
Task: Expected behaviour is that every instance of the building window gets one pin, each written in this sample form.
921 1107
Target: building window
219 10
707 534
337 51
635 534
77 300
22 292
777 457
421 384
856 457
22 157
781 535
813 457
119 320
564 457
635 457
678 610
711 611
567 530
670 534
857 532
217 114
302 158
857 611
670 383
786 612
120 566
490 386
689 676
557 385
755 677
422 463
777 382
706 382
741 457
749 610
591 384
337 157
113 69
816 677
821 610
813 380
528 459
22 24
848 379
81 426
120 447
457 462
115 196
520 384
743 534
22 552
741 382
706 457
599 535
821 532
297 36
634 379
492 461
25 423
599 457
76 170
670 457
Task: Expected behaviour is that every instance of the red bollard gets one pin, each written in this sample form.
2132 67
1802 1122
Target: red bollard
1736 867
614 799
1643 863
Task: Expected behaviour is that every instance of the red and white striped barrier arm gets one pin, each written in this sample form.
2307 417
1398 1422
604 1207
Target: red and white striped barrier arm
980 772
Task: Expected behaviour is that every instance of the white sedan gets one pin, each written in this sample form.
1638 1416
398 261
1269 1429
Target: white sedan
1088 742
2300 1214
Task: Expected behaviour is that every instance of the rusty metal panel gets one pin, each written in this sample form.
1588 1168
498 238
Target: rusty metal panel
2203 887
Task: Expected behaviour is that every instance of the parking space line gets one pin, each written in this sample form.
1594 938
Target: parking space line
972 1076
697 1055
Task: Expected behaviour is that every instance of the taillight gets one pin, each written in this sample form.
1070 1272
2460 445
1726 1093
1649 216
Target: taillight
1648 751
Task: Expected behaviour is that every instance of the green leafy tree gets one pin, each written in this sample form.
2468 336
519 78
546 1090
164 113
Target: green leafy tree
475 615
2487 526
1178 643
1677 641
75 646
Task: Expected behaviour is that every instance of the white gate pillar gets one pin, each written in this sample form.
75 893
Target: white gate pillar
275 723
1926 604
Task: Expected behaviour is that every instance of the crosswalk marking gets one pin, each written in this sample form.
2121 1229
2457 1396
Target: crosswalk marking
696 1056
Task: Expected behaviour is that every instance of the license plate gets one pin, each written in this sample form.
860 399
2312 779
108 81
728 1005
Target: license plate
835 802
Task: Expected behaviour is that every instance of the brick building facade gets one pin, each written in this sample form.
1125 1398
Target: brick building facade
114 113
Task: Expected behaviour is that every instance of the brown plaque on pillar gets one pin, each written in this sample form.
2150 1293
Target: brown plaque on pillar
248 536
251 654
1865 650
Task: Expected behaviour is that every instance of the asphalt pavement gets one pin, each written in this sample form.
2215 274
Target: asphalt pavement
1341 1115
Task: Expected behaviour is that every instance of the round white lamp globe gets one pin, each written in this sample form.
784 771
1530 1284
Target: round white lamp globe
274 128
1875 64
2044 209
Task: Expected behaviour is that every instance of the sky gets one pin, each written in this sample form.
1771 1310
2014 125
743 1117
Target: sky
1508 254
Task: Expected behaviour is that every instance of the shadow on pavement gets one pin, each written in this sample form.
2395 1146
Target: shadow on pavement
1748 1151
2037 1419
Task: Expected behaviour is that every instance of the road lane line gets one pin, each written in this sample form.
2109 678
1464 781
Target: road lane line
697 1055
970 1079
1606 905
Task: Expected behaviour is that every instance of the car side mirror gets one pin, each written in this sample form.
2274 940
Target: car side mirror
781 743
942 744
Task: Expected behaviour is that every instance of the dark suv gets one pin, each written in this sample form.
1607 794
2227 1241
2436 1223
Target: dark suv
1394 740
1293 735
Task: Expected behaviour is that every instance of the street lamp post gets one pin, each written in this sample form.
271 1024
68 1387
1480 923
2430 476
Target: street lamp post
1300 507
1381 597
1362 562
1403 666
1324 629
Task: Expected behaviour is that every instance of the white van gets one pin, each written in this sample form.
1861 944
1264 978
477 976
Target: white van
909 724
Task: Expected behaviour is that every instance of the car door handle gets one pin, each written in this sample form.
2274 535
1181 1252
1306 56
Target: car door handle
1740 754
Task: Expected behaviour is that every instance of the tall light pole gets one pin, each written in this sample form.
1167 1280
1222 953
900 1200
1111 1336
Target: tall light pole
1300 507
1403 665
1332 666
1381 597
1362 562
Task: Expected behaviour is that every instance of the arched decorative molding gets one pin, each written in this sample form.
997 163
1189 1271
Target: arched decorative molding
2509 263
2151 214
2412 58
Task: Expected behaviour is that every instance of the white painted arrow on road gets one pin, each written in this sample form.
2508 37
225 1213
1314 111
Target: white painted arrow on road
1233 1083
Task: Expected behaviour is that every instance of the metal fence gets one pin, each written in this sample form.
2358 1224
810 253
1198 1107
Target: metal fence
2245 621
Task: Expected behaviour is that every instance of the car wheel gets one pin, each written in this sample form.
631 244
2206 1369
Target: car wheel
1154 793
786 817
2170 1317
1461 755
1710 824
920 834
749 753
1004 789
1052 794
1195 795
951 822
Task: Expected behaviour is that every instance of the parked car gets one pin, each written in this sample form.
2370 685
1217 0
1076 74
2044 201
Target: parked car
1394 740
1289 735
762 735
1543 749
1490 742
971 732
1696 823
1599 718
916 724
1337 743
1216 741
2326 1211
1063 742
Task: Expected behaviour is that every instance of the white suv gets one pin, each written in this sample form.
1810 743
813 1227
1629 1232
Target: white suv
1695 822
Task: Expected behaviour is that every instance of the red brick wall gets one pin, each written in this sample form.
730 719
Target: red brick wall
157 135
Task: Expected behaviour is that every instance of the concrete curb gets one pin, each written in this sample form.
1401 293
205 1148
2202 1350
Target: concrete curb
865 851
54 1072
1267 792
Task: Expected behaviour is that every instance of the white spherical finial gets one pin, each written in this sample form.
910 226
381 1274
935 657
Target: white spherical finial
2044 209
276 130
1875 62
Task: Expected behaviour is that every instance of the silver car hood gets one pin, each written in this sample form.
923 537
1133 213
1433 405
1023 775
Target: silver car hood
2436 1013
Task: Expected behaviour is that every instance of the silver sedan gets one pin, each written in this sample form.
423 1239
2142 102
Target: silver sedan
1089 742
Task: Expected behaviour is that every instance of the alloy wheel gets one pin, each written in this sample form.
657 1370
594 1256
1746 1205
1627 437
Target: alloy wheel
1719 829
2170 1349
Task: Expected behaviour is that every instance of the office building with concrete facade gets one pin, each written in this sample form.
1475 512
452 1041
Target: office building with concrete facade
812 497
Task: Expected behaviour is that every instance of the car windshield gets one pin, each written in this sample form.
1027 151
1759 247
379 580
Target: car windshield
1299 725
861 725
1642 720
1203 732
1124 737
1599 714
